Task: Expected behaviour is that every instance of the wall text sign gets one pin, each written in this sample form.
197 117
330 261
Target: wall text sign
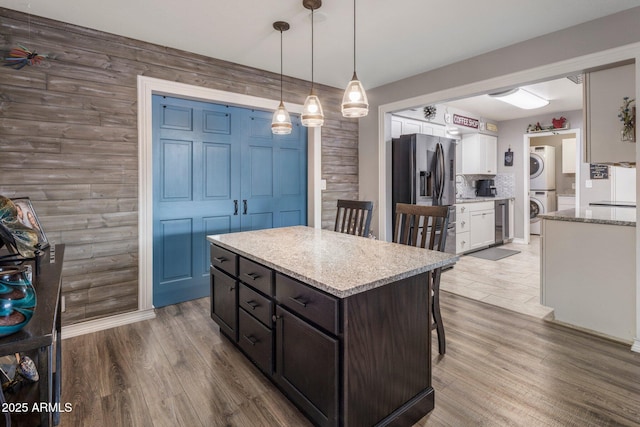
465 121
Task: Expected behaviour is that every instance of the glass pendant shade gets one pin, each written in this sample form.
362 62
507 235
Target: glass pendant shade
312 115
354 101
281 122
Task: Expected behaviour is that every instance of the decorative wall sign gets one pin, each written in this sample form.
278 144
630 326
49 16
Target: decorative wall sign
599 171
465 121
508 158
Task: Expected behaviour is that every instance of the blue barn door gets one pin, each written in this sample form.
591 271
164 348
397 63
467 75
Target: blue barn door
202 185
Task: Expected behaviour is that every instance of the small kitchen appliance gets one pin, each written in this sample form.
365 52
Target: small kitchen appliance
485 188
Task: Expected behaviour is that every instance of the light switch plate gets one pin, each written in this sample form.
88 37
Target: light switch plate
588 183
323 184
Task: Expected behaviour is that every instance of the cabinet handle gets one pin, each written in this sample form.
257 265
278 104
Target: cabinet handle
462 209
235 207
251 339
462 223
220 259
252 276
244 207
298 301
232 288
252 304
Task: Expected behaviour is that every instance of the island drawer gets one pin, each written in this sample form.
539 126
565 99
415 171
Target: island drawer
256 340
255 304
224 259
312 304
256 275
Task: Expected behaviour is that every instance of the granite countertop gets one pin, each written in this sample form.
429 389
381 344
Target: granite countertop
597 215
481 199
340 264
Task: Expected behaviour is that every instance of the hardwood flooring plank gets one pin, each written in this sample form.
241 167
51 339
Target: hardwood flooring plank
174 411
501 369
126 408
78 388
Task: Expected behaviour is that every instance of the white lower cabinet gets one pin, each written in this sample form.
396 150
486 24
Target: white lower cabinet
475 225
482 230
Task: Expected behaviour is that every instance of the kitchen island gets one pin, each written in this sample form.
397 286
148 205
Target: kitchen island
340 323
588 269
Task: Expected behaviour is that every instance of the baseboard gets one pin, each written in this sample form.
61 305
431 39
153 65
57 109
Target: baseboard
106 323
636 345
519 241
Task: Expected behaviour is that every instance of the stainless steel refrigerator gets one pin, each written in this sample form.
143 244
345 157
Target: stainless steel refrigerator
424 173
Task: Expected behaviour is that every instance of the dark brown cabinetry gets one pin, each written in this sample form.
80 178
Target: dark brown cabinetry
361 360
307 366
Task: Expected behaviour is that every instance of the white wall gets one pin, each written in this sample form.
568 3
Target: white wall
511 134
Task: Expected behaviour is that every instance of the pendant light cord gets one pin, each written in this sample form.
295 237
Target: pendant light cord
354 36
280 65
312 49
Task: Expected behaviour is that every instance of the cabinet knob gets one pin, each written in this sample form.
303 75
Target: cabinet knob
275 318
462 223
462 209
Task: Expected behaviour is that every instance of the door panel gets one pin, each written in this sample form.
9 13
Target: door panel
176 238
176 171
217 171
209 159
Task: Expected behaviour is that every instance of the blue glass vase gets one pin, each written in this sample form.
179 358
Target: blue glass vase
17 299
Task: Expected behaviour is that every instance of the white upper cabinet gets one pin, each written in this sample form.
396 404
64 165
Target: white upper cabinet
604 91
569 155
405 126
478 155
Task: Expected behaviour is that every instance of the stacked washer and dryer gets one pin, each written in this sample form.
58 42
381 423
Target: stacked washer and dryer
542 188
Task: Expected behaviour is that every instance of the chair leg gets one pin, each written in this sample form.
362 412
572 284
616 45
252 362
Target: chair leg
435 310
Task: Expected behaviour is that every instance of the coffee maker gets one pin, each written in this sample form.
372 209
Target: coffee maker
485 188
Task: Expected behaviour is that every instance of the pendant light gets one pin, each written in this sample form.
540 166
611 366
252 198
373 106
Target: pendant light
312 115
354 101
281 122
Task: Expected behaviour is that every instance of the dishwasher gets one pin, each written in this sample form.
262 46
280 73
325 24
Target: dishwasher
503 229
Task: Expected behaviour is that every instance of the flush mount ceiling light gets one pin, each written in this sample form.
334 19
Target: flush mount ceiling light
312 115
520 98
354 101
281 122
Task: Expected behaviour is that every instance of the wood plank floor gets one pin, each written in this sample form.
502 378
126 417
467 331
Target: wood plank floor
501 369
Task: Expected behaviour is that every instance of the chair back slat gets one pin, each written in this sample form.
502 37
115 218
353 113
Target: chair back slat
421 226
353 217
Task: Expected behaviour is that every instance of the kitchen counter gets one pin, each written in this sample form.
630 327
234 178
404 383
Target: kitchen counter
330 318
596 215
339 264
480 199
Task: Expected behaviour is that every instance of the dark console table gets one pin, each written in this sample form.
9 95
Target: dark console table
41 337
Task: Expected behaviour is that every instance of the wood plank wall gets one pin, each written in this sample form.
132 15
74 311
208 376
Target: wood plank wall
69 141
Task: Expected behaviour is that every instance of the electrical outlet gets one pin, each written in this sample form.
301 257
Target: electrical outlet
588 183
323 184
63 306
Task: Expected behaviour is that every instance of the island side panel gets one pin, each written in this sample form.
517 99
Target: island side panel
588 276
387 353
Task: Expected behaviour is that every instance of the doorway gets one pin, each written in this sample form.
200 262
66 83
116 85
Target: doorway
217 169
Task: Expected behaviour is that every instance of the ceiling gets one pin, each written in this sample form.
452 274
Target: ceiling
563 95
396 39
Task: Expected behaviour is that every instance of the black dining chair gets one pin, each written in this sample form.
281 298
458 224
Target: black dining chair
425 227
353 217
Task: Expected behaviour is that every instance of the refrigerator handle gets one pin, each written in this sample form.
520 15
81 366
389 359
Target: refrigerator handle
439 178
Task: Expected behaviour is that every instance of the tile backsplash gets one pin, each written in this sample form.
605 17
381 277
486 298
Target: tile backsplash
505 184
